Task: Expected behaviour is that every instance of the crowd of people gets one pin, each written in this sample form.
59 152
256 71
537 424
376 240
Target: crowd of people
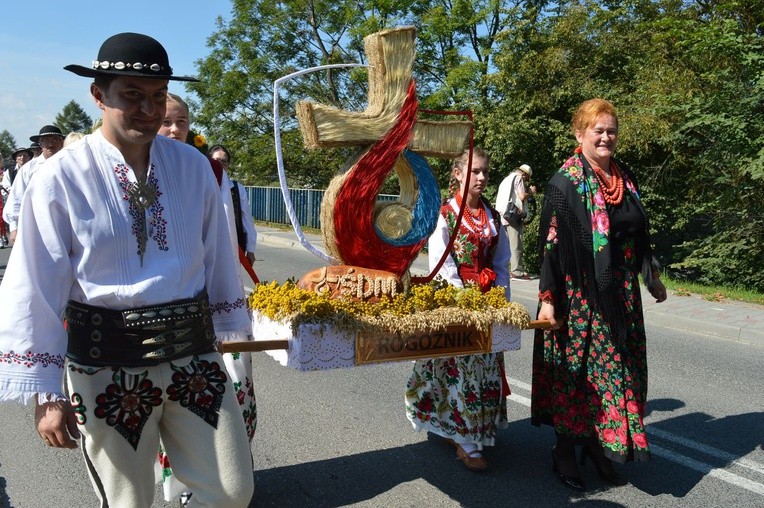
133 237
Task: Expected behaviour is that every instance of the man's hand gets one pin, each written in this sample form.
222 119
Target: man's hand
251 258
56 423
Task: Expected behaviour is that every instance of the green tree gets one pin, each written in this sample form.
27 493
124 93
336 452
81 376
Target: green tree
686 76
716 143
687 79
73 119
455 51
7 144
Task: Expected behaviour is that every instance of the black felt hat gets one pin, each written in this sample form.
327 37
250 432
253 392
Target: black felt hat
130 54
47 130
21 149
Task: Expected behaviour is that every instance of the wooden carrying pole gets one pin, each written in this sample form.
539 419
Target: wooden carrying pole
271 345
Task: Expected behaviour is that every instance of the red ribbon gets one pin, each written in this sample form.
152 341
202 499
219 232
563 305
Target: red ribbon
485 279
247 266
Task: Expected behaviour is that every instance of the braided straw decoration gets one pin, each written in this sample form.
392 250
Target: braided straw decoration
326 126
386 128
394 219
407 181
338 127
327 215
436 139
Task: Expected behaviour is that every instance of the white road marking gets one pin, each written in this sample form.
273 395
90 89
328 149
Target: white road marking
706 469
525 401
708 450
520 384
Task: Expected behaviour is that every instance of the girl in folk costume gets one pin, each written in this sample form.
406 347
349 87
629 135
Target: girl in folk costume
590 368
463 399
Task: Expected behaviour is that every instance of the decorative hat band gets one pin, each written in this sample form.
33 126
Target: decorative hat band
126 54
136 66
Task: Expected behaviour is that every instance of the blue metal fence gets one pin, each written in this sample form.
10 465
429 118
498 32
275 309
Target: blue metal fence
267 204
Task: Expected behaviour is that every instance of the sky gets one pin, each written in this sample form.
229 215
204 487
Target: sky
39 39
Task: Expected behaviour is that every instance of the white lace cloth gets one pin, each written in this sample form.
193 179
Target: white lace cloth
316 347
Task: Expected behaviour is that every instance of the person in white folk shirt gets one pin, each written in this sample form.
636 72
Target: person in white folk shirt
176 125
51 140
21 156
35 148
246 233
123 236
5 187
514 190
463 399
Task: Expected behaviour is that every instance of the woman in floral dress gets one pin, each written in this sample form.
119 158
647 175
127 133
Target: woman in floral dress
590 369
463 399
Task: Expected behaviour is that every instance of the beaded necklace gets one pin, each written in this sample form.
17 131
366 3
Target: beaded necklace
479 219
612 187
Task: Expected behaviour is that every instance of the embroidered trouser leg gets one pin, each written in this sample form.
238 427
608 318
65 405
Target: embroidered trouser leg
239 368
191 405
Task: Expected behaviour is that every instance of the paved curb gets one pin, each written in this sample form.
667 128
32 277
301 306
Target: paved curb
277 241
735 333
666 315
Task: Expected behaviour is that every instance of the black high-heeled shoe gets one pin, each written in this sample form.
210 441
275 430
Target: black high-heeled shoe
608 474
572 482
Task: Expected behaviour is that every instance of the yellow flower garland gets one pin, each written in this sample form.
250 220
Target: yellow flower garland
425 307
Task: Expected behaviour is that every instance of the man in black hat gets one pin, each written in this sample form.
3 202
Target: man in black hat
35 148
21 156
124 234
51 141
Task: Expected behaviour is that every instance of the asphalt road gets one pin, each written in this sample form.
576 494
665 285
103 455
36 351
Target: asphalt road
340 437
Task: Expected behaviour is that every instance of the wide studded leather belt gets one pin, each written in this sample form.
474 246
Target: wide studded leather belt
139 337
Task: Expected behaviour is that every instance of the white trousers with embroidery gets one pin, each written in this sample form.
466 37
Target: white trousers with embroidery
239 368
190 404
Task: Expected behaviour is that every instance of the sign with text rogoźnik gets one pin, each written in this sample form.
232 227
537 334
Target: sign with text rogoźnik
454 340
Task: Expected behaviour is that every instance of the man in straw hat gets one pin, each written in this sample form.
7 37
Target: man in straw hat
51 141
512 202
123 233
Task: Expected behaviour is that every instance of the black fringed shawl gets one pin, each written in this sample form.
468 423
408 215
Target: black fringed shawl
584 249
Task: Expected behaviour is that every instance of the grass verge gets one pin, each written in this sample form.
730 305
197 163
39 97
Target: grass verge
711 293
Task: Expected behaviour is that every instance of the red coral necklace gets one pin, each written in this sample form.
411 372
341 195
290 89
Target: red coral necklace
478 219
612 186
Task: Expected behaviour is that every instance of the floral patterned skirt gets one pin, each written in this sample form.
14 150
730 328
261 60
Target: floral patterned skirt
589 383
458 398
